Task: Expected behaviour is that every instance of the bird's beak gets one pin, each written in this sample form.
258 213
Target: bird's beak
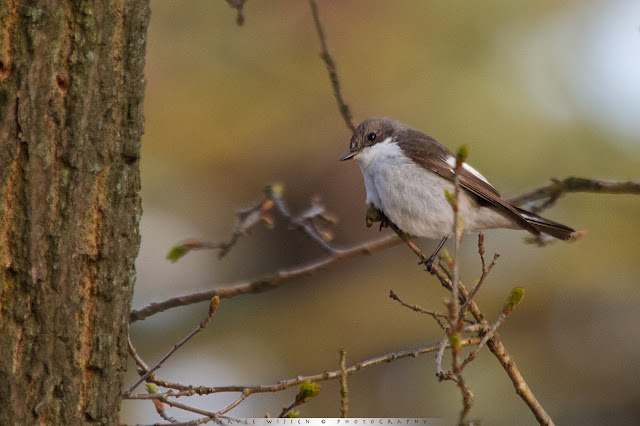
348 156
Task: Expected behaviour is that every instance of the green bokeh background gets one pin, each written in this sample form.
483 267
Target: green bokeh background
230 109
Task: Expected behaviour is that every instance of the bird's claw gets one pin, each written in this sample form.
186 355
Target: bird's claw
428 263
375 215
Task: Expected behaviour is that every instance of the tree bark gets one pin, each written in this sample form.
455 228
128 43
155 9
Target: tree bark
71 91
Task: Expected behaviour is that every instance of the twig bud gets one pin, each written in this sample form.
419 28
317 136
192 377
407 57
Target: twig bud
461 156
516 296
213 305
451 198
274 190
178 251
454 339
309 389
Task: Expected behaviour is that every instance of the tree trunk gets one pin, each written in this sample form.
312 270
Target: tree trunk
71 90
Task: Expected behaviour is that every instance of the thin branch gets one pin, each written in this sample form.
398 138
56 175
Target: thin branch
248 217
187 390
185 407
439 356
508 308
483 276
474 291
575 184
134 354
345 112
500 352
269 282
455 320
467 398
436 315
287 409
457 234
144 368
234 404
212 310
160 409
481 249
344 391
304 222
522 389
195 422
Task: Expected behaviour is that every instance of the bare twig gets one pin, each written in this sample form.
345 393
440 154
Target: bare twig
195 422
439 356
287 409
344 391
458 229
345 112
514 299
246 218
436 315
407 240
270 282
142 369
481 249
575 184
303 223
187 390
483 276
185 407
234 404
212 310
134 354
455 320
476 328
522 389
500 352
474 291
160 409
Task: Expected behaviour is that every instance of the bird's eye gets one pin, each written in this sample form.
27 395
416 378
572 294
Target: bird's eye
371 137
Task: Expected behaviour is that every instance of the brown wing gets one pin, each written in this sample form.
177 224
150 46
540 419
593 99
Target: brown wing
428 153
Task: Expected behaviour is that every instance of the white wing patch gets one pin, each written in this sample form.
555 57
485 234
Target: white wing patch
451 161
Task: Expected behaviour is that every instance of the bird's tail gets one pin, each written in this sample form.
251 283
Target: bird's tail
547 226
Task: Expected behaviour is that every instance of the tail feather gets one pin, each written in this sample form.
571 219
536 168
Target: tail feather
547 226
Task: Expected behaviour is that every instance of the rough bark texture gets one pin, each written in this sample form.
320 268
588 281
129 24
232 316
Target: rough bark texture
71 90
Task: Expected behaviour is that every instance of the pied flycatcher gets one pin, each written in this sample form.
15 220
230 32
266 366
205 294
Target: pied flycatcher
406 174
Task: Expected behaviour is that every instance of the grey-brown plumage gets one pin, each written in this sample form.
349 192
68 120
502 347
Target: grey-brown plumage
406 174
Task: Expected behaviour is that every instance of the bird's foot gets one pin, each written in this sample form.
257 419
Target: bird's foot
374 215
428 263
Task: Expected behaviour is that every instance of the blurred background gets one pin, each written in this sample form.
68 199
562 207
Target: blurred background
536 89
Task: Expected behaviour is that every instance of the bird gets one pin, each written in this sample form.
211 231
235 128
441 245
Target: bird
406 176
